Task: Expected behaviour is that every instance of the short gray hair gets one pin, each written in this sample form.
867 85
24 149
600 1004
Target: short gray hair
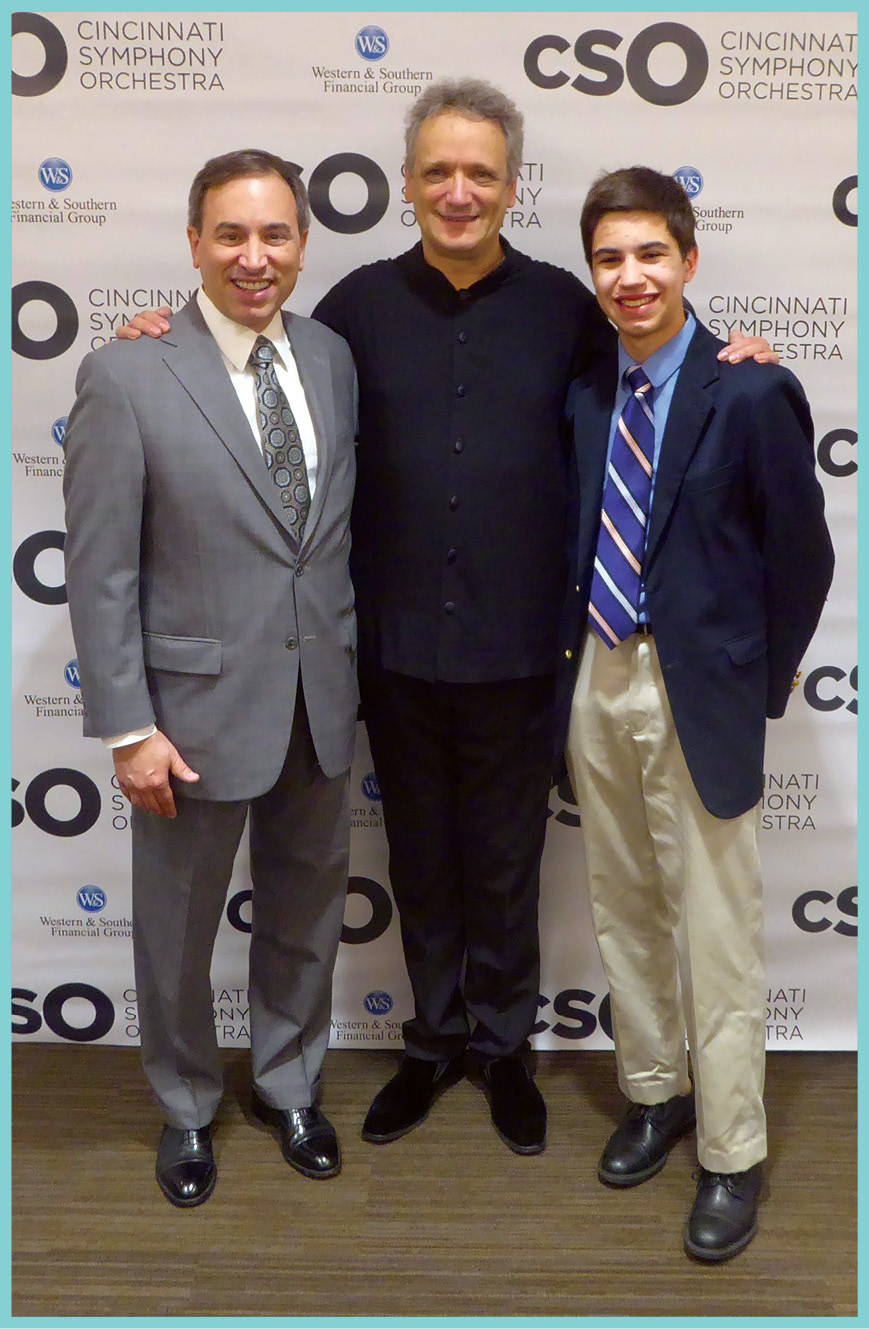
476 99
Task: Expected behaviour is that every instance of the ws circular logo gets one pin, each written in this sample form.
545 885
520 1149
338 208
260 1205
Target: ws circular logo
377 1003
55 174
371 787
690 179
92 899
371 43
70 673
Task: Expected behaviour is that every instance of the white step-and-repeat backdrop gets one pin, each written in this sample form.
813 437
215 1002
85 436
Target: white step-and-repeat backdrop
114 112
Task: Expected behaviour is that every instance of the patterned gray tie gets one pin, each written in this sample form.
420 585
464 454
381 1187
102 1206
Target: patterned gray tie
282 447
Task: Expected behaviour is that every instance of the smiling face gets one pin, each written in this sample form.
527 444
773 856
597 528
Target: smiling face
459 188
249 250
639 276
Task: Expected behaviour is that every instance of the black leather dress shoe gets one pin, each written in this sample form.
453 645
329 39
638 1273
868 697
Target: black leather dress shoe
307 1138
186 1173
518 1109
639 1146
724 1217
404 1101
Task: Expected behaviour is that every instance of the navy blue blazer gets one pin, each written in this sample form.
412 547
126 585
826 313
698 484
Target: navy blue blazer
738 563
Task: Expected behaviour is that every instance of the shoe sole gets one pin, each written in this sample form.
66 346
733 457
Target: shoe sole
447 1080
189 1204
523 1149
621 1180
262 1113
725 1253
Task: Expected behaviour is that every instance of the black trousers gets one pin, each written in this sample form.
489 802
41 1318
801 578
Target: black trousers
464 771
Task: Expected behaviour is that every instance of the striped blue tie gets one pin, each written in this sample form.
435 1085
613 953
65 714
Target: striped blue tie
615 586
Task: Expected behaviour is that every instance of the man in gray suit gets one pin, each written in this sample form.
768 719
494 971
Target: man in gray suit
208 486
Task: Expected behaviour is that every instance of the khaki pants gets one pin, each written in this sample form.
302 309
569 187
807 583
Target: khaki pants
677 905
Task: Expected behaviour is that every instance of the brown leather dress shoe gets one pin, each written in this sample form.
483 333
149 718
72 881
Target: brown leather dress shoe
639 1145
307 1138
186 1172
724 1217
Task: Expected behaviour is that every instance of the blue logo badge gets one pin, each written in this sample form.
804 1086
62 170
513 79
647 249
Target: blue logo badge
70 673
91 898
377 1003
371 43
370 786
55 174
58 431
690 179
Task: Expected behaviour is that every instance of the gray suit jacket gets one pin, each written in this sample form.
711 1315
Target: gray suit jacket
191 602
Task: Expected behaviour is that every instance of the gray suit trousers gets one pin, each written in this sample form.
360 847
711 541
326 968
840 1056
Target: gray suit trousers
299 853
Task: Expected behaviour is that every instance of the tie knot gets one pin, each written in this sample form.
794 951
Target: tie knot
263 353
637 380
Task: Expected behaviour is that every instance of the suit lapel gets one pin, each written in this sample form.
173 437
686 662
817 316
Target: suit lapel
192 356
314 371
692 404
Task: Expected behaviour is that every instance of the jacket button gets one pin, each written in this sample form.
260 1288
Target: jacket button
568 655
452 555
458 446
292 644
460 390
299 569
454 502
449 607
463 337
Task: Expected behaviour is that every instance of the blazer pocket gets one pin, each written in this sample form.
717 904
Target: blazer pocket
719 475
182 655
744 649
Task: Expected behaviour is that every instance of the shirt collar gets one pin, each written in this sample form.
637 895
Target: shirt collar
415 264
666 360
234 340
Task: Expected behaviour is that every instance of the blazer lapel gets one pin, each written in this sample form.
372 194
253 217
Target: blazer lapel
191 354
692 404
593 407
314 371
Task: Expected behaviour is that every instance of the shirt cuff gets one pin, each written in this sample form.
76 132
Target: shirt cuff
121 740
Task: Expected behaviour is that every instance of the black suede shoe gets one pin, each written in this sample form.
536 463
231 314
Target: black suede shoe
186 1173
724 1217
307 1138
639 1146
518 1109
404 1101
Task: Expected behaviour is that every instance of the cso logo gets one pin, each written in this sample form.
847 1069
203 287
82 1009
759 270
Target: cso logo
573 1004
67 816
373 178
53 54
24 568
90 1004
354 934
642 63
92 899
377 1003
823 693
690 179
70 673
55 174
371 43
841 201
811 911
58 431
828 462
65 313
371 787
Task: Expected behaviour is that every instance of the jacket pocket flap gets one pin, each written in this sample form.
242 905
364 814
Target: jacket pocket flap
743 649
183 655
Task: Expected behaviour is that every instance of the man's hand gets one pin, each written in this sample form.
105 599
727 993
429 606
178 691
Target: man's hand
152 321
143 771
740 348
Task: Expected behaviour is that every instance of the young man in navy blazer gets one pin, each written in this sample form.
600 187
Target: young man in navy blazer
703 563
